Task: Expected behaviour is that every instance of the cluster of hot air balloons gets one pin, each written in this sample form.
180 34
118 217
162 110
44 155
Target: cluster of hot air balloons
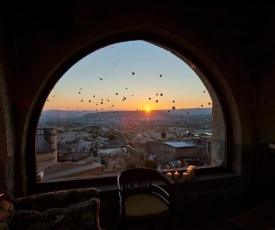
106 100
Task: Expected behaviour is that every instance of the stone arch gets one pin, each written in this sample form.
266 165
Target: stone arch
150 29
6 138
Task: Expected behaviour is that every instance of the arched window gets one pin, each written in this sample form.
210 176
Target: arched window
130 104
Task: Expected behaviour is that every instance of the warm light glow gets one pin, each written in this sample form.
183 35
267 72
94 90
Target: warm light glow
147 109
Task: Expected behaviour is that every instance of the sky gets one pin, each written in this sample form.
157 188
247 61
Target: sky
134 75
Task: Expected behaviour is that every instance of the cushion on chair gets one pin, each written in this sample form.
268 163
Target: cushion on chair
62 199
82 215
145 207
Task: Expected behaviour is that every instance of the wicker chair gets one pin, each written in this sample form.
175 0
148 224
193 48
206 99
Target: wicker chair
145 197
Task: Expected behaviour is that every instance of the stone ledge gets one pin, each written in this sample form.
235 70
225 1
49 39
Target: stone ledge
206 181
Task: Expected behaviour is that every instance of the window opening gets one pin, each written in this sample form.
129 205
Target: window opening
130 104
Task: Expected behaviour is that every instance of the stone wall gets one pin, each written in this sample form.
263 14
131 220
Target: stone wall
210 202
233 45
162 152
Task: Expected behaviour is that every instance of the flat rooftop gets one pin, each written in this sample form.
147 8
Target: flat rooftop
73 157
180 144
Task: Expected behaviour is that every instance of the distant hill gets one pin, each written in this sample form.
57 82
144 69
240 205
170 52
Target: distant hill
81 116
193 111
48 115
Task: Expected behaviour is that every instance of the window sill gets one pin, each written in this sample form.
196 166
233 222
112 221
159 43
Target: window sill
200 182
204 179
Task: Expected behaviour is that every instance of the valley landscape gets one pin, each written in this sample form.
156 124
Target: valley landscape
107 134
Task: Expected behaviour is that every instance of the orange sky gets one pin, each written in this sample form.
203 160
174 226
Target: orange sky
129 76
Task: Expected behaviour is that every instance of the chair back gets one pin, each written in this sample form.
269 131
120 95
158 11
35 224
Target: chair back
137 181
154 188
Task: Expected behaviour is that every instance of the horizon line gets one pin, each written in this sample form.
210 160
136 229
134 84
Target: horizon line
77 110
